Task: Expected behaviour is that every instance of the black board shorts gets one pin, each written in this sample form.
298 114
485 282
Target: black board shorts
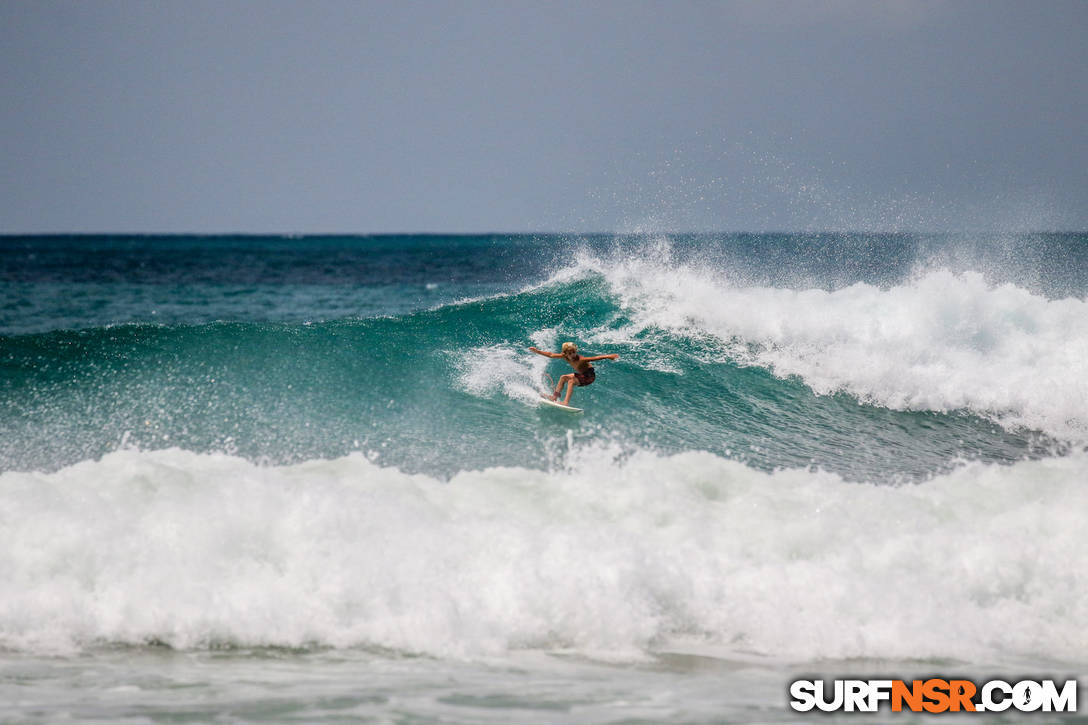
585 378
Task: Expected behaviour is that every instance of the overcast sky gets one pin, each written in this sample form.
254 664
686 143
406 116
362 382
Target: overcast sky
265 116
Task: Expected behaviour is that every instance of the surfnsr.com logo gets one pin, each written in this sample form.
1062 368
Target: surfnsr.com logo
934 695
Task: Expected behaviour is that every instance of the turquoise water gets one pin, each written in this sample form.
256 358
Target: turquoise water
813 451
414 350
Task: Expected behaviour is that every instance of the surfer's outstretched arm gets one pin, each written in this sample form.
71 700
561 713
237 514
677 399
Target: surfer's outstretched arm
545 353
593 358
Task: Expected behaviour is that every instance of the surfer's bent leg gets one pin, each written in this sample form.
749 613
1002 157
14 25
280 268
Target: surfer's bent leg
563 380
570 389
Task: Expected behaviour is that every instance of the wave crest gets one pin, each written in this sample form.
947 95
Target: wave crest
941 342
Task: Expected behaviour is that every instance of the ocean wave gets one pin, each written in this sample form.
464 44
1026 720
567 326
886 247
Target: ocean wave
453 388
941 341
615 552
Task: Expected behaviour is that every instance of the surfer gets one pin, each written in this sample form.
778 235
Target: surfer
583 374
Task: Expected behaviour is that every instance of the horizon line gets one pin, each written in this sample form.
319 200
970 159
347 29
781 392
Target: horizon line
297 234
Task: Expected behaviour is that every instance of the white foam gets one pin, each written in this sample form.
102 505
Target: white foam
607 555
506 369
491 370
940 342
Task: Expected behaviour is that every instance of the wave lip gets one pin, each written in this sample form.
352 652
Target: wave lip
614 554
942 341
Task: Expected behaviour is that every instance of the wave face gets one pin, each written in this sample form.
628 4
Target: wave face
872 380
336 441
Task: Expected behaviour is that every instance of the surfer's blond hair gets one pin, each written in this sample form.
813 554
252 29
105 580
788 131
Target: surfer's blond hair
569 347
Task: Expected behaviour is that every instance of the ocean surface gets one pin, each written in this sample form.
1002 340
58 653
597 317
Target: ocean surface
302 478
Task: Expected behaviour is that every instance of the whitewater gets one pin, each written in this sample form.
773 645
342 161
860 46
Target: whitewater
308 477
606 556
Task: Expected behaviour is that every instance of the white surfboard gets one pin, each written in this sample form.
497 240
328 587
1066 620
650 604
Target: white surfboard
555 404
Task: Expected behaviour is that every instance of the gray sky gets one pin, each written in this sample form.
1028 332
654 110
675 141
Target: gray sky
267 116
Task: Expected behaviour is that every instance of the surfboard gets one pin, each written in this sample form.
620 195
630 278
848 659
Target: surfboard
554 404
